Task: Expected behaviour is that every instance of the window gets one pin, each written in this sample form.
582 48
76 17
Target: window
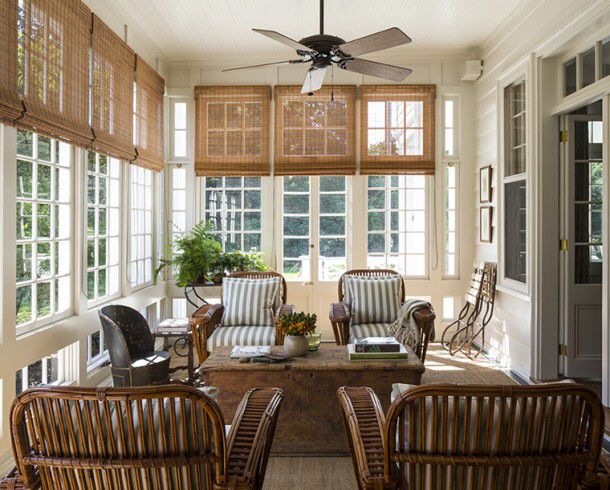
450 135
44 229
179 130
569 77
397 224
587 67
515 184
396 127
46 371
450 178
233 207
296 228
605 56
332 259
178 223
141 224
97 350
103 226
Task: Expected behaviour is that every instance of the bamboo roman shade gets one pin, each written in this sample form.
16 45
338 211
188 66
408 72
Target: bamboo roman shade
113 63
55 69
315 135
10 105
397 129
149 116
232 130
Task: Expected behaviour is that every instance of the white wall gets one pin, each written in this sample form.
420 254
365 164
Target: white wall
535 29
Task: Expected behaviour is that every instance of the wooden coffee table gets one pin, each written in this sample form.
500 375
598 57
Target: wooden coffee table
310 421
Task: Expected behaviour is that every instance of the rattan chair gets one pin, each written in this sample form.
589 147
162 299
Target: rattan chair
207 318
340 314
166 437
476 437
131 346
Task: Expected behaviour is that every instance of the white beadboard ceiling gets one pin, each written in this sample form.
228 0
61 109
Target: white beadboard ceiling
201 30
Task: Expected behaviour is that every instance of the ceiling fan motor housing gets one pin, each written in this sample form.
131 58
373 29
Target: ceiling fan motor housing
322 43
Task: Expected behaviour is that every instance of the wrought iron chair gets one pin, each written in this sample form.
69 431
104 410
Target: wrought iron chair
340 315
476 313
134 361
207 319
158 437
476 436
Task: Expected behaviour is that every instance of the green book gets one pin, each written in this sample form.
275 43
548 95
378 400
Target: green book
375 356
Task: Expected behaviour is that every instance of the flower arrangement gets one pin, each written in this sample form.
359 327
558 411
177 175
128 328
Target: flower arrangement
297 324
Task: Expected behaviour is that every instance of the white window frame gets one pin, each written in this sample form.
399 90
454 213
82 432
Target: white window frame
96 301
173 129
61 371
139 206
387 232
34 241
103 356
520 72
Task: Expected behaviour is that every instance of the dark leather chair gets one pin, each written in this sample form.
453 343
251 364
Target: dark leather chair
134 362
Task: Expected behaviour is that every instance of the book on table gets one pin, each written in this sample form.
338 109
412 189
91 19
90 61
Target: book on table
376 344
379 356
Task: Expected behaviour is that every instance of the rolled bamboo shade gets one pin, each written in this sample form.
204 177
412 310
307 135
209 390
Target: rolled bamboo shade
113 64
10 105
397 134
232 130
55 69
315 135
149 117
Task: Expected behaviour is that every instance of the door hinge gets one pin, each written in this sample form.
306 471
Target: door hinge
563 350
563 245
563 136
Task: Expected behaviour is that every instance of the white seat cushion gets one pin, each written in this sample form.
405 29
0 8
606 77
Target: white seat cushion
241 335
369 330
249 301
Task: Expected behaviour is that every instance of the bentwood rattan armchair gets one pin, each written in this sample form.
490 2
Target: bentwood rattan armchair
206 321
340 315
476 437
164 437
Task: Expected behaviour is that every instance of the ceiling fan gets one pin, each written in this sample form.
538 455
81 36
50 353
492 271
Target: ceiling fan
324 50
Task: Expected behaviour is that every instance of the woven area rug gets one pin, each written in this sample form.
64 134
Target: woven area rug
338 473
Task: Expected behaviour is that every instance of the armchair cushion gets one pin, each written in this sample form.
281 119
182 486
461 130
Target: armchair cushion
369 330
250 301
241 335
374 299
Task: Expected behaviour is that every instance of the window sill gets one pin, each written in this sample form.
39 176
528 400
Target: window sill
28 330
513 292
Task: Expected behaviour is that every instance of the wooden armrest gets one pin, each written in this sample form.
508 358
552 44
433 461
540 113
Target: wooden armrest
251 436
339 313
365 425
203 322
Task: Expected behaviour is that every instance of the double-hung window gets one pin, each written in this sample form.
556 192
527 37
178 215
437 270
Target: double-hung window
44 230
141 225
515 183
233 210
450 182
397 224
103 224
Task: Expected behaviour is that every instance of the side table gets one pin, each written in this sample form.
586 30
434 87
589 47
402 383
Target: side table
178 327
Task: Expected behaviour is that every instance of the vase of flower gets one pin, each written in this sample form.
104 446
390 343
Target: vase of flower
296 327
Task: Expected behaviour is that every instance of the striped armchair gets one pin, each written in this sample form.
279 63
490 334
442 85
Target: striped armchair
345 327
170 436
477 436
250 304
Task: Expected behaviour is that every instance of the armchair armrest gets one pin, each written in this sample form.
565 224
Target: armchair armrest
424 318
203 322
365 426
284 310
251 436
339 318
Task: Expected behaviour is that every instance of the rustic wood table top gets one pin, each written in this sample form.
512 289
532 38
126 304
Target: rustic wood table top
329 357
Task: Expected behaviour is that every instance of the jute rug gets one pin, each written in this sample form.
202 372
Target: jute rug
338 473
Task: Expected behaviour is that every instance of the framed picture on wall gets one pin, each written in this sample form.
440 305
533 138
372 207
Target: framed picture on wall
485 224
485 184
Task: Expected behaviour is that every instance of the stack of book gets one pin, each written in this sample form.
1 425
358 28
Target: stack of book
371 348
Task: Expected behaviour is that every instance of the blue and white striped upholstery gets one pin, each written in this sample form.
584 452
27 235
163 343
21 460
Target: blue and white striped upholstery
369 330
241 335
251 302
374 299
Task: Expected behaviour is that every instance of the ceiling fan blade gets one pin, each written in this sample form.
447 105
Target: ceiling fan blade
374 69
375 42
276 36
314 79
263 64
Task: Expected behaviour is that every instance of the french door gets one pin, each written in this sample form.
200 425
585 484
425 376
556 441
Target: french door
313 243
